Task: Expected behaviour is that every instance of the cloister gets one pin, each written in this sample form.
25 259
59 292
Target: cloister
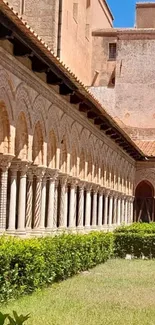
64 163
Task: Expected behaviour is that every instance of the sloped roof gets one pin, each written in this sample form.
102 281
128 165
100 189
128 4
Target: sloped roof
148 147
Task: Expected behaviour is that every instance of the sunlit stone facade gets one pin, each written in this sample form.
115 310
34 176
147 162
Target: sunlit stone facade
59 172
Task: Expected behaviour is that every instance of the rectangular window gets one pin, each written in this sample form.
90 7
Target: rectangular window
112 51
75 11
88 3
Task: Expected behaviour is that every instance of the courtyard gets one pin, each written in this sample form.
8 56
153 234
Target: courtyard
117 292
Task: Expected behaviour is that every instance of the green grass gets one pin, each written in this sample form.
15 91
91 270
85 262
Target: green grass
118 292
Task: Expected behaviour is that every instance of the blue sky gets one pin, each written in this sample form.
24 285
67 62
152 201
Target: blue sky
124 12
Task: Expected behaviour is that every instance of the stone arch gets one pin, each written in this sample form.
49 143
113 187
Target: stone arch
21 139
144 201
74 162
4 130
23 104
82 165
52 150
6 93
37 148
39 114
63 155
90 167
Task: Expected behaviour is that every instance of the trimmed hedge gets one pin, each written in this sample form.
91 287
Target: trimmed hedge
137 240
26 265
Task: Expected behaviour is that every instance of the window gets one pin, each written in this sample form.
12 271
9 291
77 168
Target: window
88 3
112 51
75 11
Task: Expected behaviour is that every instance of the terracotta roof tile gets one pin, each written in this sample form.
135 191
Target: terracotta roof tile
148 147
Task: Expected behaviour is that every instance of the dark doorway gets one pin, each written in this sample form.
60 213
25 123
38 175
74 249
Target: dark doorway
144 202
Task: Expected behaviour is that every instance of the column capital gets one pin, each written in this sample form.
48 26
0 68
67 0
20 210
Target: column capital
63 178
95 188
52 173
5 161
81 184
39 171
88 186
73 181
106 192
23 167
101 190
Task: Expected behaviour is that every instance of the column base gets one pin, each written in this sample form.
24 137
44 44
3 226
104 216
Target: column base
51 231
80 229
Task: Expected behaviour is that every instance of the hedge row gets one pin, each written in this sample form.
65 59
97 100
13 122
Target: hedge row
137 239
26 265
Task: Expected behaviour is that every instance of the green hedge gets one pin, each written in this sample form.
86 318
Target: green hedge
137 239
26 265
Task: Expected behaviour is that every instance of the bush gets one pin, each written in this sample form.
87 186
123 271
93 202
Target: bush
137 240
32 263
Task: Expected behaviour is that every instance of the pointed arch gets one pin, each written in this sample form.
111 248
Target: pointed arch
52 150
74 161
63 156
37 148
82 165
4 130
21 139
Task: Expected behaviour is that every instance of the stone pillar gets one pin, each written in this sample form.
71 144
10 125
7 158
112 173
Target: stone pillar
81 205
55 204
29 199
39 173
126 211
119 211
115 208
100 208
22 197
13 198
4 165
72 206
51 222
131 200
63 202
122 210
88 205
110 208
94 212
43 203
106 196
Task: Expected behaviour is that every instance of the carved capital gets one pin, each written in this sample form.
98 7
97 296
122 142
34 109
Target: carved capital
39 172
88 186
5 162
52 173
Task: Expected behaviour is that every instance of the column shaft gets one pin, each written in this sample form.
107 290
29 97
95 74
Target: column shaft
22 199
3 199
81 207
119 211
88 208
110 210
29 200
94 212
13 192
100 209
43 203
105 209
72 207
50 216
63 203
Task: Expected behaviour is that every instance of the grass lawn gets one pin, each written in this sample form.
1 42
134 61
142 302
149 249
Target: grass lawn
117 292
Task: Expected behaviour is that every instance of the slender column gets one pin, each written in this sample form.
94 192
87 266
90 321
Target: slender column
13 193
100 208
115 208
29 199
22 197
72 206
131 209
110 208
43 202
119 211
63 202
88 205
122 210
39 172
4 165
94 212
51 223
126 210
55 204
106 196
81 205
